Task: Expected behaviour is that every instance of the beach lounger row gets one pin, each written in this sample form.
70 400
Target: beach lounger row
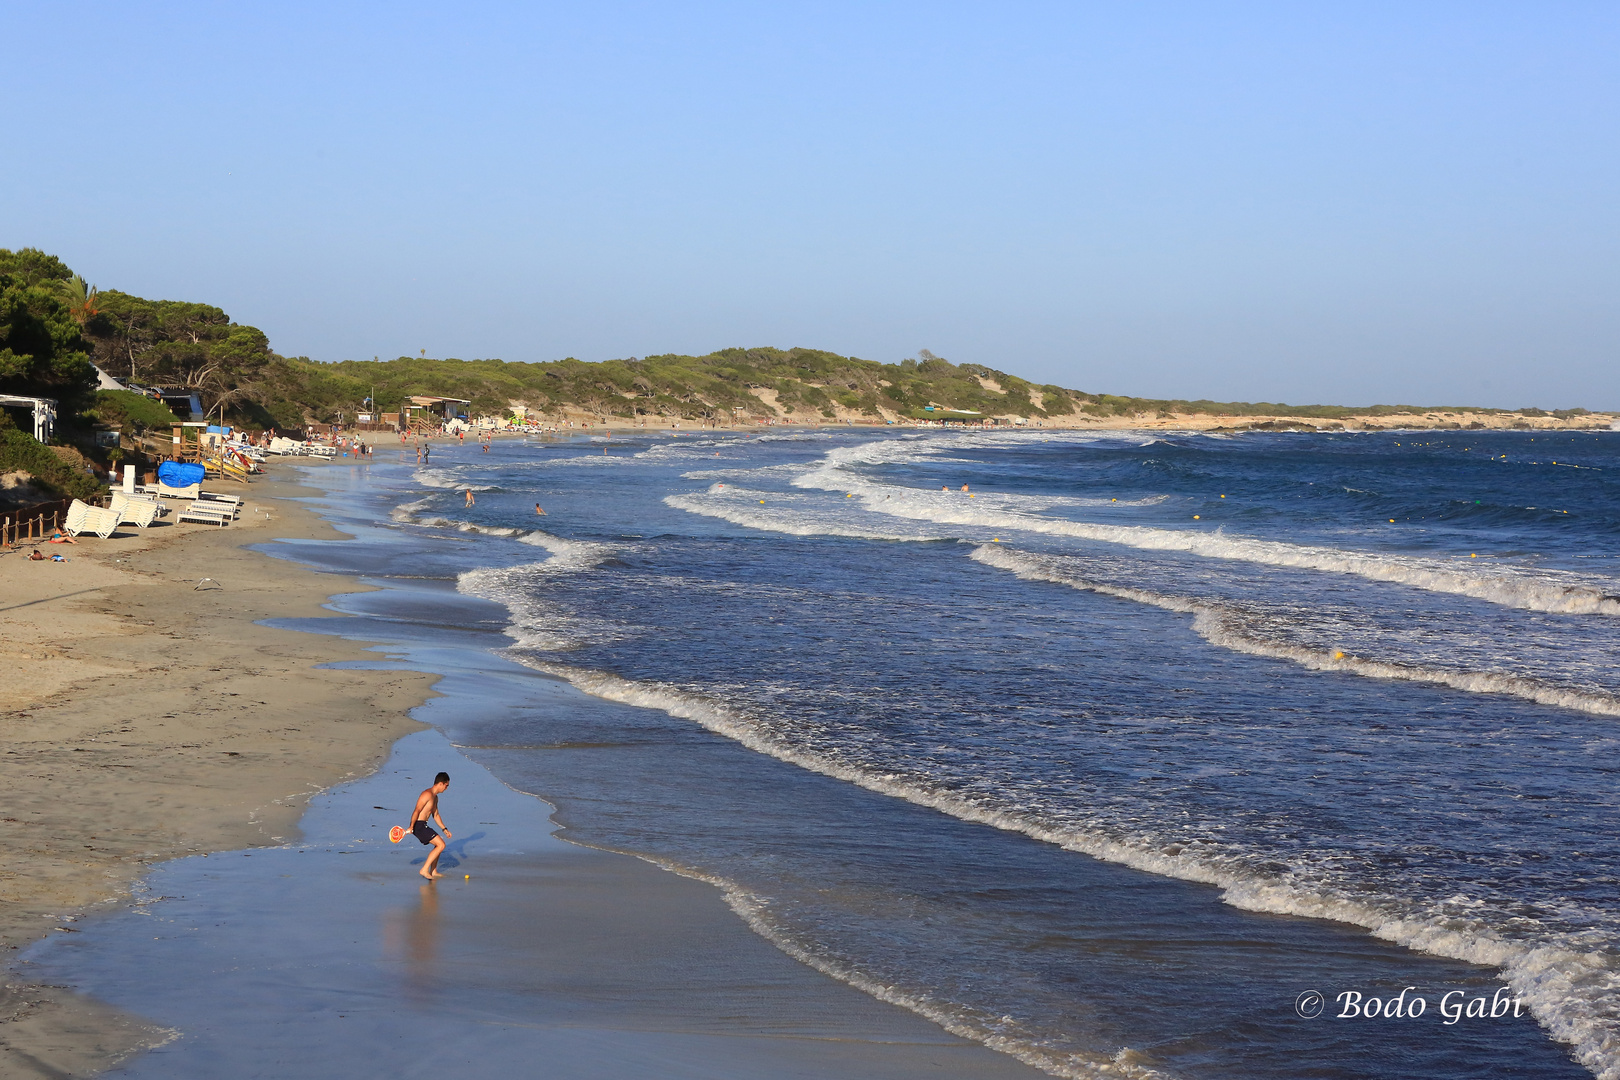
194 492
135 511
207 513
294 448
84 518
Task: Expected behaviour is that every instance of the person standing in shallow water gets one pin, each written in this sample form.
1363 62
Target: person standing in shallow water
427 806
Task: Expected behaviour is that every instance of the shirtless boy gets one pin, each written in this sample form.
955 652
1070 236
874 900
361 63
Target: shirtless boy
427 806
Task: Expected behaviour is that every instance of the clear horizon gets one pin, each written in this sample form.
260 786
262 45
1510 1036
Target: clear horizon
1386 204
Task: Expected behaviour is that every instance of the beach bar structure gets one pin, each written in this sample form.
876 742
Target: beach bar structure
423 413
44 410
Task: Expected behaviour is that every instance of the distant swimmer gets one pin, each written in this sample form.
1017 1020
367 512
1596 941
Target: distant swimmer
470 499
539 511
427 806
964 487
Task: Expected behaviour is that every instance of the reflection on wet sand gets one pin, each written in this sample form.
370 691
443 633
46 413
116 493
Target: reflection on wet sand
411 936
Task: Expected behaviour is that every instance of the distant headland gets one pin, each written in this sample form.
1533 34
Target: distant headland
62 339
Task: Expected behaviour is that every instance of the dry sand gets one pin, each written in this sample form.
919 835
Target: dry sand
146 716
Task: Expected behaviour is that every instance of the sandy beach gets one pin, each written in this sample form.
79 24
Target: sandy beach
148 717
156 722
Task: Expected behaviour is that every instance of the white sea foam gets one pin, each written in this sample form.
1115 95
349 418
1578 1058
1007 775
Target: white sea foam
535 623
447 480
408 512
1000 1033
743 507
1534 590
1571 990
1223 626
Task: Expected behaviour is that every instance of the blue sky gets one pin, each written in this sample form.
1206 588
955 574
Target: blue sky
1339 203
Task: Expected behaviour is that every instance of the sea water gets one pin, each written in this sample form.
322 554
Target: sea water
1108 750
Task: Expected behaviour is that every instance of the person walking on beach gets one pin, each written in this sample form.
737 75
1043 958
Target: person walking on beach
427 806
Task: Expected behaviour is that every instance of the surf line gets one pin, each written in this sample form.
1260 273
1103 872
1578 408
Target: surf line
1218 627
1508 590
1523 964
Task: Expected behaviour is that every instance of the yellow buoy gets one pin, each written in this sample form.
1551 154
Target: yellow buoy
1392 521
762 502
1338 656
1473 556
1195 517
1223 496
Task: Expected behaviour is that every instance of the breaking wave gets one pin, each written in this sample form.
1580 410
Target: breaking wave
1222 625
1569 987
1537 590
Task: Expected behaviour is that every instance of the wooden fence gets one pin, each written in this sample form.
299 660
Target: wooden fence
32 522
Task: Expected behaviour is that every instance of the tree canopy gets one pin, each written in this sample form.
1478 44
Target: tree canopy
43 352
177 343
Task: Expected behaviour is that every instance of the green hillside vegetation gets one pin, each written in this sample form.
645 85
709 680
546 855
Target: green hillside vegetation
806 384
21 452
52 323
131 413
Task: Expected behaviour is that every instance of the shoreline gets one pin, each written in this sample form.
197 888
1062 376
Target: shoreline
151 716
109 936
695 990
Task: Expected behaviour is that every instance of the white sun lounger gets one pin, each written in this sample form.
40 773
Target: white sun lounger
232 501
137 512
205 515
190 491
84 518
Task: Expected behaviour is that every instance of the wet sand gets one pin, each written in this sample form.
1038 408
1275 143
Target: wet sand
332 958
147 716
162 749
